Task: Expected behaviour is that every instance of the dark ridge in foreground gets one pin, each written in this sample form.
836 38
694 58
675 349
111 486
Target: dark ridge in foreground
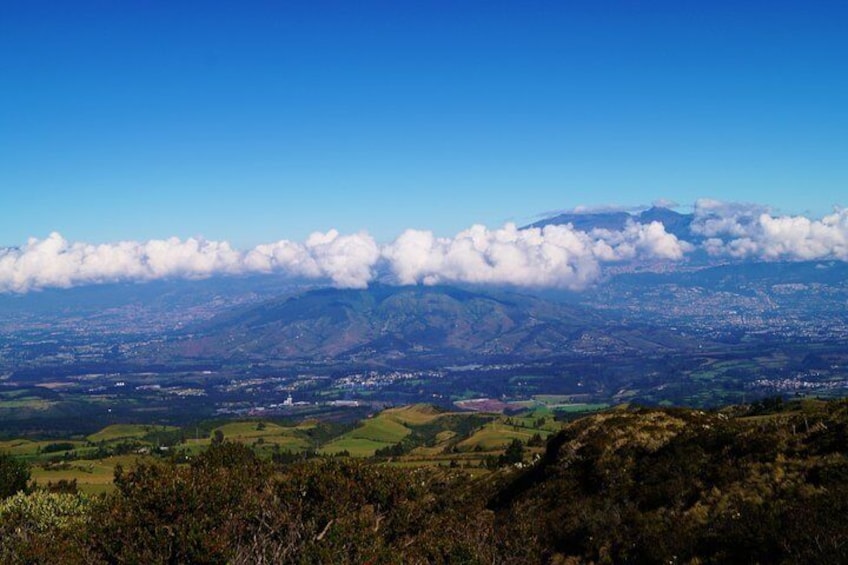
766 483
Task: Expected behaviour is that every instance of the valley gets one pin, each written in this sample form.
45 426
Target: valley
73 360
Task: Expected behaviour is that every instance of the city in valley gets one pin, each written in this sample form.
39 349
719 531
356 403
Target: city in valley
173 352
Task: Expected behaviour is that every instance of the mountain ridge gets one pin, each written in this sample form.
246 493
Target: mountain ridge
680 225
388 322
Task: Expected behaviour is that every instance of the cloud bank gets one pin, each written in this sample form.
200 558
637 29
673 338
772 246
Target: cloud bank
552 256
347 261
747 231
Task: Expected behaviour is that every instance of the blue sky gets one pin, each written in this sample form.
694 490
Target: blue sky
256 121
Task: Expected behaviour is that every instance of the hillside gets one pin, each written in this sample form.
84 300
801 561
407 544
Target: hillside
761 484
674 222
765 483
386 323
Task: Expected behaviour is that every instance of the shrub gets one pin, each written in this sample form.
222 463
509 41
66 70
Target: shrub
40 527
14 476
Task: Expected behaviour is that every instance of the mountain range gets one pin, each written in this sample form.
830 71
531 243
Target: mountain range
390 323
675 223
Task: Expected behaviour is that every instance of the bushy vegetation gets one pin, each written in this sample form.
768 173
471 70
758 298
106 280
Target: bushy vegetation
39 527
229 506
14 475
649 486
624 486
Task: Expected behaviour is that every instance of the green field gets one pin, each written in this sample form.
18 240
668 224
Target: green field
125 431
19 447
40 449
419 435
374 433
267 435
356 447
437 443
415 414
579 408
496 435
385 429
567 403
26 403
91 476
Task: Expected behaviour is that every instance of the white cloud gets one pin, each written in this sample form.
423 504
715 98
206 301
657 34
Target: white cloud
553 256
550 256
751 231
348 260
714 218
787 237
643 241
54 262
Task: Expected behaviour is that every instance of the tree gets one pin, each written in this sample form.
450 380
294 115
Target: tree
14 475
536 441
170 513
514 453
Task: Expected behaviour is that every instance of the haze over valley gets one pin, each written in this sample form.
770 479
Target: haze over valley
488 315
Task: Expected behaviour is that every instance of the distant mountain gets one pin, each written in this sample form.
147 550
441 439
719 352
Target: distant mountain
674 222
385 324
138 306
587 221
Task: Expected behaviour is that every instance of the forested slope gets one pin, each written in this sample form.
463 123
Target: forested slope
758 484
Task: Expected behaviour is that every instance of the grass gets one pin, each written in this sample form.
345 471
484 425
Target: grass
122 431
252 430
383 430
440 437
415 414
497 435
552 398
372 434
30 449
567 403
19 447
442 440
26 403
356 446
265 436
91 476
194 446
390 427
577 408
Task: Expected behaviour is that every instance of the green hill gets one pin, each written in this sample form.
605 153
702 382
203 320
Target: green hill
646 486
387 429
765 483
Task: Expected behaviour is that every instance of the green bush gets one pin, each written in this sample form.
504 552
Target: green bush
41 527
168 513
14 476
